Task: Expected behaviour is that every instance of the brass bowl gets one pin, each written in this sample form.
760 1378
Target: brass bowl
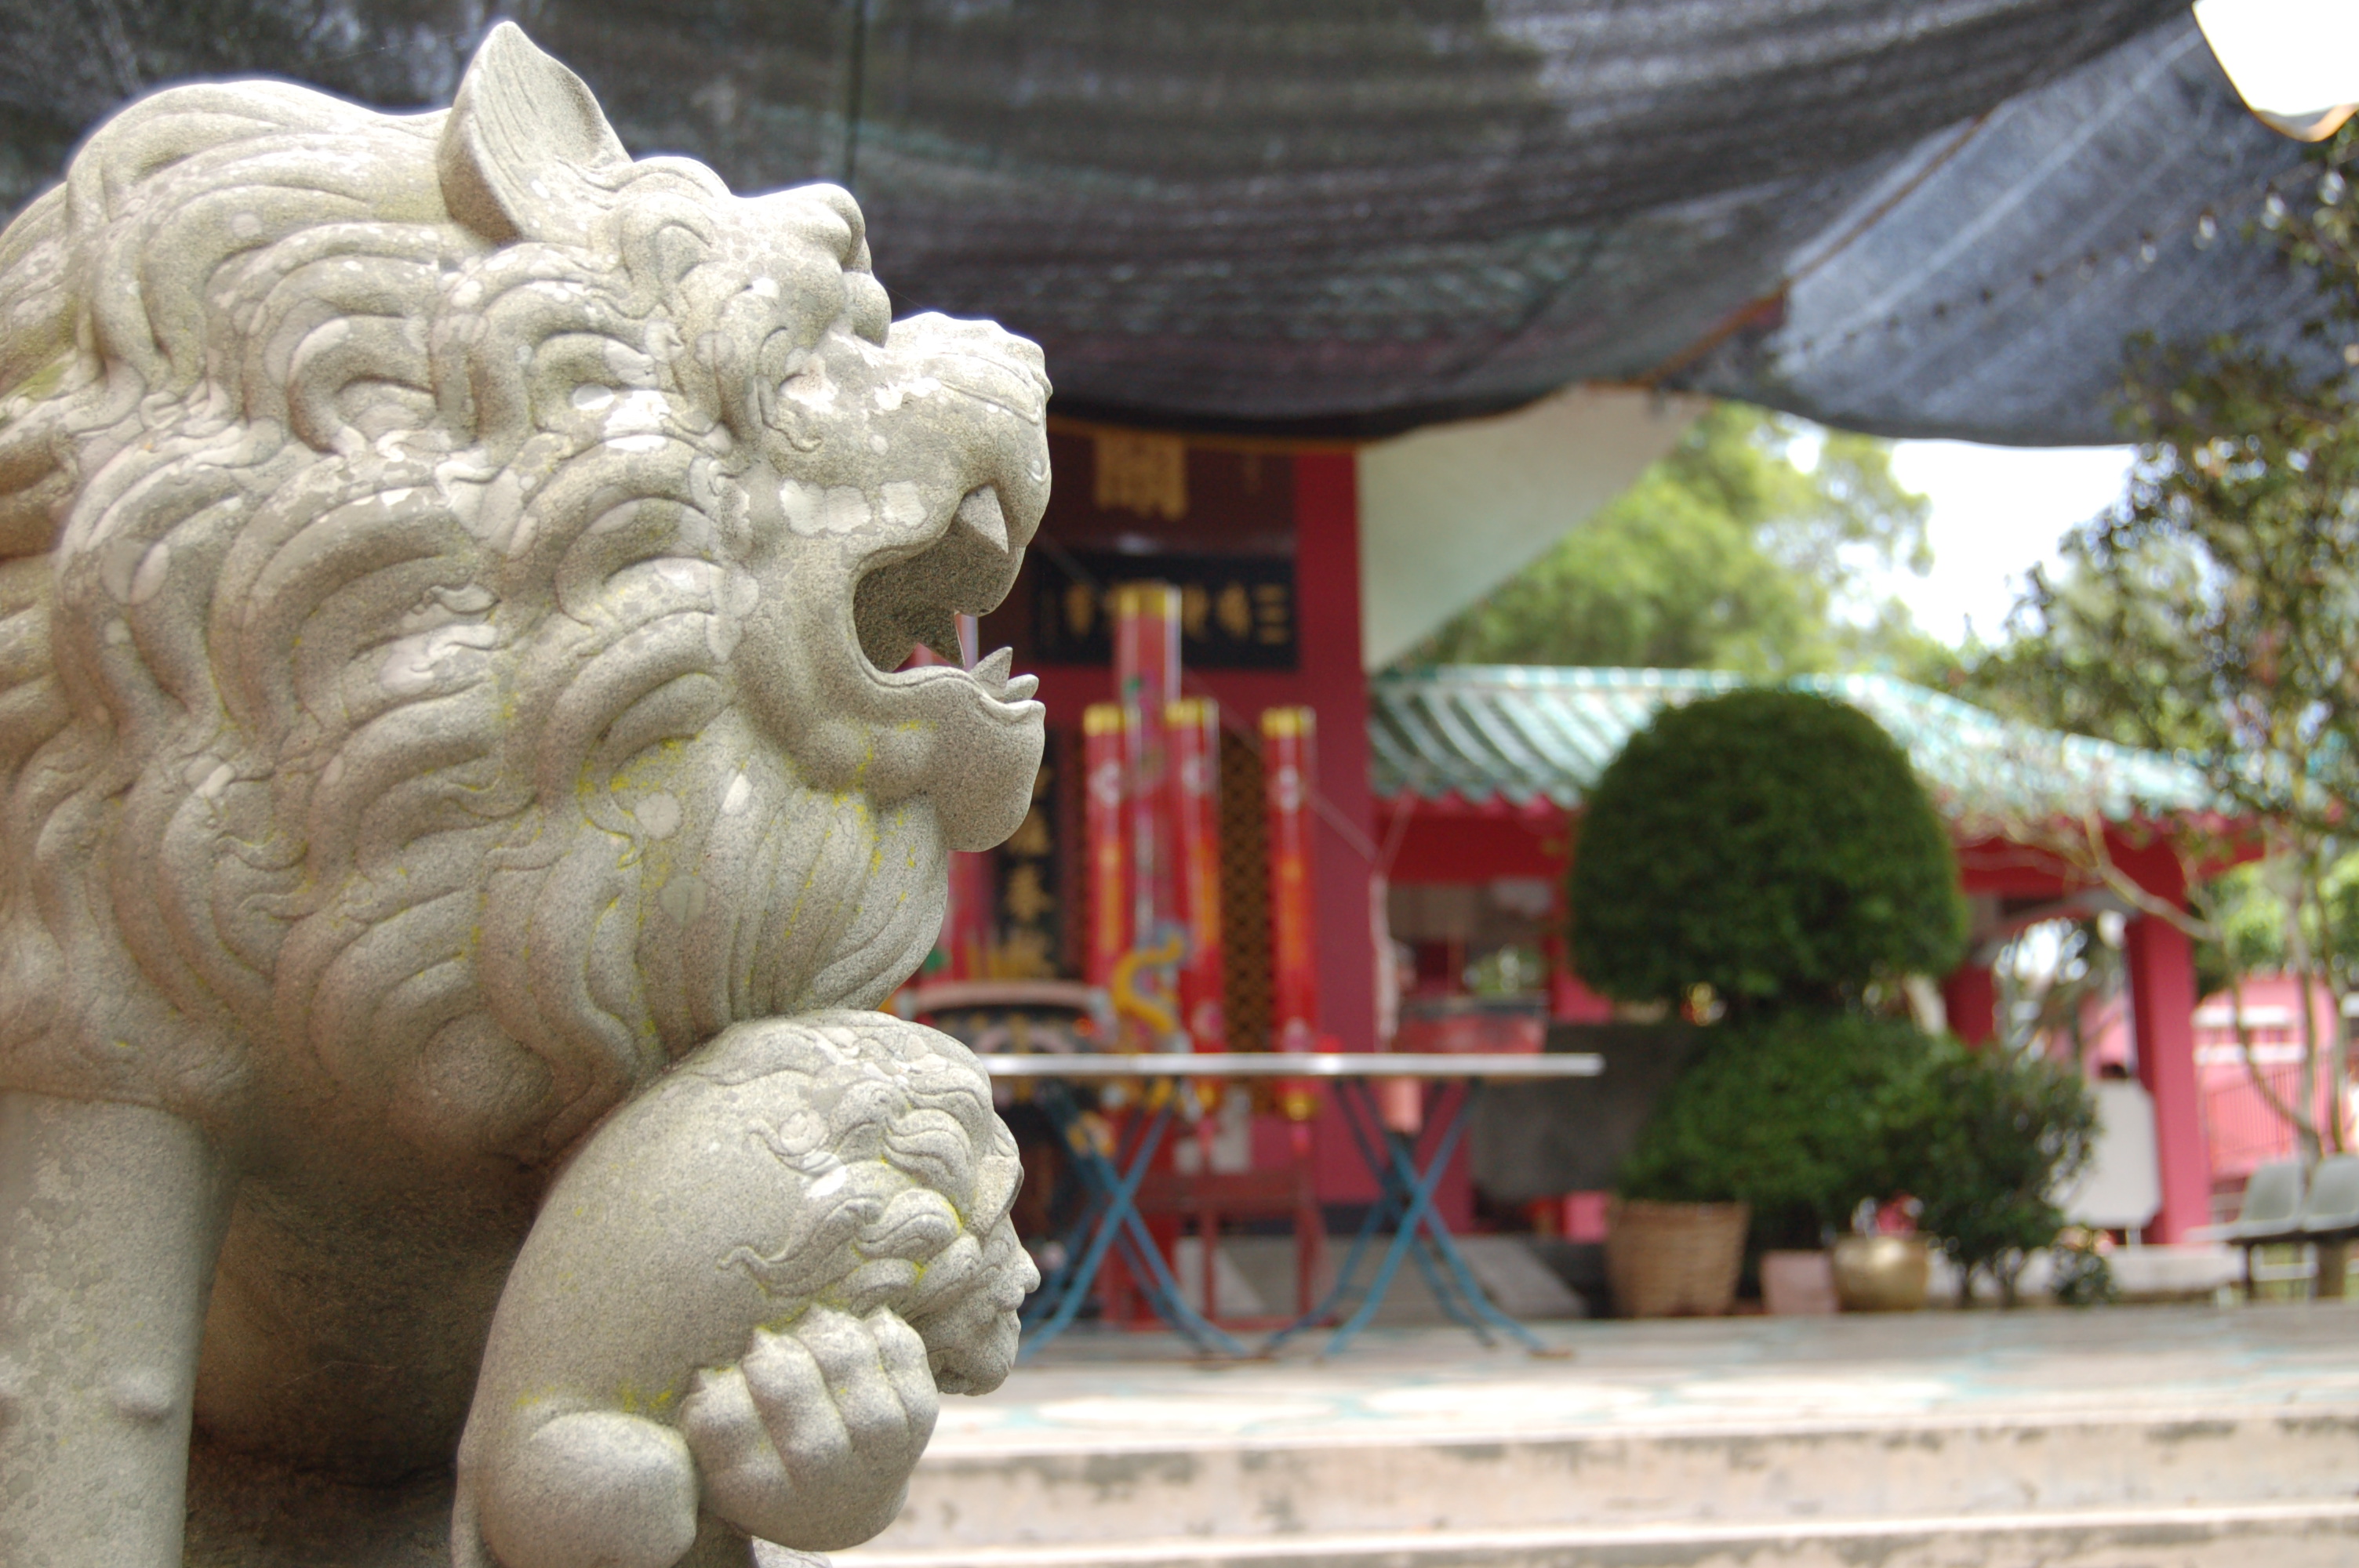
1881 1273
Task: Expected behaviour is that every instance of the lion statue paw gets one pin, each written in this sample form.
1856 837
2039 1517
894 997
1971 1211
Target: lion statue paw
744 1300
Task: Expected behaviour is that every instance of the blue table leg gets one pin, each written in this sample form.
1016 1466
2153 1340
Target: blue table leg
1384 1209
1164 1294
1399 1162
1112 1220
1090 1168
1390 1204
1324 1311
1446 1290
1407 1199
1416 1212
1115 1190
1437 1234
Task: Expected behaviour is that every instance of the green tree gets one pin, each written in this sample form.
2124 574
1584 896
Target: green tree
1772 844
2257 920
2044 987
2246 930
2215 611
1728 554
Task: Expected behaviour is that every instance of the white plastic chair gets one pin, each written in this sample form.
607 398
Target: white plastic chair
2272 1205
2332 1211
2271 1211
2330 1219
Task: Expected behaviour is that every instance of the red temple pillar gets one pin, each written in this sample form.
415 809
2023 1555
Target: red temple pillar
2162 1011
1970 997
1332 681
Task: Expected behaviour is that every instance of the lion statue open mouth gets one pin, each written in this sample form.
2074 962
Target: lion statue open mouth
454 582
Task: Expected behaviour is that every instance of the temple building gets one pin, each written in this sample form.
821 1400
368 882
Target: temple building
1447 801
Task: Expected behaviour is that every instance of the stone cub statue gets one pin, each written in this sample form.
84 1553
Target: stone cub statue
459 792
841 1175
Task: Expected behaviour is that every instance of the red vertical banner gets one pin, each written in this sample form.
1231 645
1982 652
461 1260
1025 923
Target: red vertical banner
1192 726
1287 736
1147 682
1103 830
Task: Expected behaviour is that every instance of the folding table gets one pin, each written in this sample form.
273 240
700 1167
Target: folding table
1407 1167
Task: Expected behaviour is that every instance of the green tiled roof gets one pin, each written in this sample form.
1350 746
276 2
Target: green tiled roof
1520 735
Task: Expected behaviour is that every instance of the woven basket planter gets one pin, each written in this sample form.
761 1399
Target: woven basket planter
1674 1259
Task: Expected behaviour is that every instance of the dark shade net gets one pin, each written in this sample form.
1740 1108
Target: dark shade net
1355 216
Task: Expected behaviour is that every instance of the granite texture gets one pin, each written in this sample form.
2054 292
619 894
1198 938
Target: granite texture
461 797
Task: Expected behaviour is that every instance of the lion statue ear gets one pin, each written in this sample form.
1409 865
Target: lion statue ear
523 144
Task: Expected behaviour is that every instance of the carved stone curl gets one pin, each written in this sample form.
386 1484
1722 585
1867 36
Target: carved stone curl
457 792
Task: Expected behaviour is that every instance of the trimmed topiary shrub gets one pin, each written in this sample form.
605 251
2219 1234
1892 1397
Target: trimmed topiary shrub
1801 1114
1773 845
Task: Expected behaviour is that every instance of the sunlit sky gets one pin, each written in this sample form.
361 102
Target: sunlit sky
1997 512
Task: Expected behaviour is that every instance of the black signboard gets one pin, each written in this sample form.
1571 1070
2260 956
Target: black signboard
1236 612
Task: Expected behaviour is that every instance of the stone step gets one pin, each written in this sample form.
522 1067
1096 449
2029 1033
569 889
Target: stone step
2153 1437
1754 1475
2317 1534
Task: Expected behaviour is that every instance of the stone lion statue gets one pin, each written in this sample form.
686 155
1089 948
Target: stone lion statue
461 791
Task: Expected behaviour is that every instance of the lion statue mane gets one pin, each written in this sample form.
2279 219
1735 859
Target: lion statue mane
454 587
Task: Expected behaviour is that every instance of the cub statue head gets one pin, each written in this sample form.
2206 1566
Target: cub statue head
454 585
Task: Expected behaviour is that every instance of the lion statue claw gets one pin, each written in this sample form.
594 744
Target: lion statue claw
463 797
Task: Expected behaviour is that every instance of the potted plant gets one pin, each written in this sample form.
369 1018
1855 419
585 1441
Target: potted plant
1791 1119
1768 860
1994 1133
